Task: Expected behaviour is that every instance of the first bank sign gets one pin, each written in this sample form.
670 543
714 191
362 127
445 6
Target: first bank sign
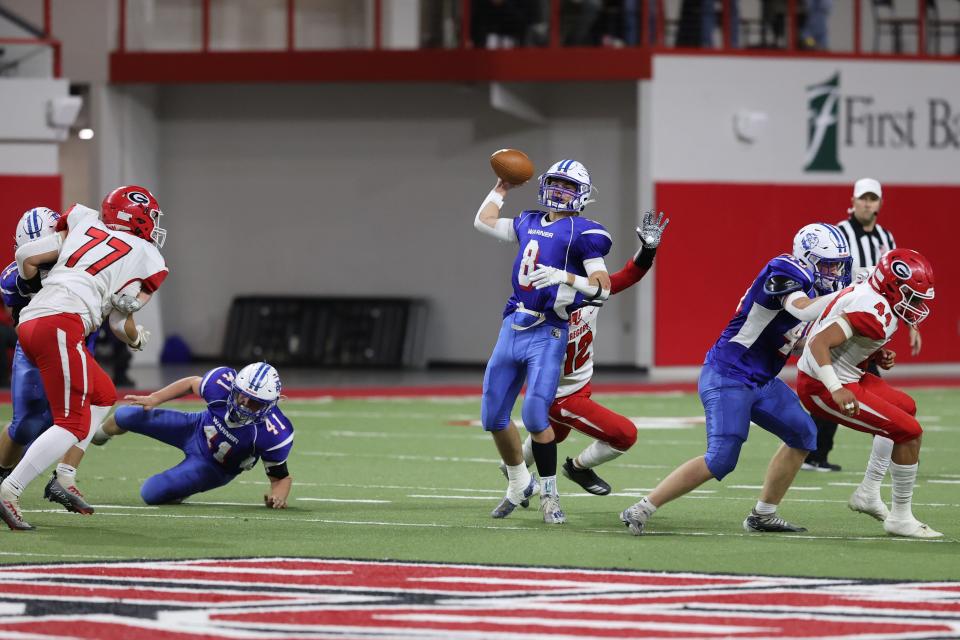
865 122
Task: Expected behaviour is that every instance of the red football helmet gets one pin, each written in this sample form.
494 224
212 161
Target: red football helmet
905 279
134 210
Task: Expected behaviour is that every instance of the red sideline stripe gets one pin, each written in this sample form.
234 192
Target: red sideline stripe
475 390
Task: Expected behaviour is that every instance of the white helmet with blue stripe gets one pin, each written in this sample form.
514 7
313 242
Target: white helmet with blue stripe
565 187
824 250
256 390
35 224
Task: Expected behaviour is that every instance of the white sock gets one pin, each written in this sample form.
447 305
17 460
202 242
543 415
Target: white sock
904 477
519 477
595 455
97 417
548 486
66 475
528 451
765 508
877 466
646 506
45 450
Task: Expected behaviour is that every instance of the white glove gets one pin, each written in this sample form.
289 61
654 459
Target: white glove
650 231
143 337
544 276
125 304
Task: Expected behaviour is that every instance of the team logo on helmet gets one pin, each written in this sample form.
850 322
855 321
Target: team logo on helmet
139 198
810 241
901 269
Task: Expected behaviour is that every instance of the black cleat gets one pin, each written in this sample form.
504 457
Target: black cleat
70 498
772 523
586 478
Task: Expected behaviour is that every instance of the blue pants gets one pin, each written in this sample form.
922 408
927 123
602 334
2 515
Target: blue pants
178 429
534 354
730 405
31 411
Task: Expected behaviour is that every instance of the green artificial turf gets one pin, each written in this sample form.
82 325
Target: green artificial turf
405 479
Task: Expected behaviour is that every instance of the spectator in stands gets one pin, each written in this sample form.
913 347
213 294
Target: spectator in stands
814 35
578 19
502 24
699 19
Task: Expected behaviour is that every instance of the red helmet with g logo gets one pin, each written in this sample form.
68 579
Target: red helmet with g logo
905 278
134 210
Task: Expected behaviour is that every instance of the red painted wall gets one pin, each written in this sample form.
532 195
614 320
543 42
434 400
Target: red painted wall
721 235
17 194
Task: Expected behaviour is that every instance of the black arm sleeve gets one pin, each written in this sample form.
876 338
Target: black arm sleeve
278 471
779 285
644 258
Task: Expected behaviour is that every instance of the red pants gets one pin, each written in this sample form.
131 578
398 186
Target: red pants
884 410
71 377
578 411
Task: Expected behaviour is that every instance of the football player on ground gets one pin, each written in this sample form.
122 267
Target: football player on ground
31 411
96 256
738 383
832 385
573 408
556 247
241 424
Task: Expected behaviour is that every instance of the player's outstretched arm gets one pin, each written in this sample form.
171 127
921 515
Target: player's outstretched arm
279 491
807 309
33 254
650 233
172 391
832 336
488 220
596 286
126 329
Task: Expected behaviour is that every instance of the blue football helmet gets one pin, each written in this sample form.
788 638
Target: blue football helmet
256 390
823 249
565 187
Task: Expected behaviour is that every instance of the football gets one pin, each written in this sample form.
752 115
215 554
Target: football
512 166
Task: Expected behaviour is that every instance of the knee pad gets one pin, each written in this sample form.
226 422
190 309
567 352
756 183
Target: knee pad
723 451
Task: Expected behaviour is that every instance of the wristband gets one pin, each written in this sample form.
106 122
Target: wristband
495 198
828 376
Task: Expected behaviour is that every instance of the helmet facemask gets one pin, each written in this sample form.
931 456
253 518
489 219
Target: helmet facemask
244 408
830 274
912 307
158 235
561 192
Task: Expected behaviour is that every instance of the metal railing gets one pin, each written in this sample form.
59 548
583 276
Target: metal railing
42 38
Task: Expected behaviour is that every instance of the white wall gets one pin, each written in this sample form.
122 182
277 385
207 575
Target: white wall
371 190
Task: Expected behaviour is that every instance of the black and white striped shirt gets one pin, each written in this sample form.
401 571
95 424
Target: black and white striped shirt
866 247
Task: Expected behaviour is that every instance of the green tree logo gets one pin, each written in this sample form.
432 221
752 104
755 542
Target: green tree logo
823 101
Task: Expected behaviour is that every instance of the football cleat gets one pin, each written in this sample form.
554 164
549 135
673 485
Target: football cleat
819 465
911 528
634 518
503 469
69 498
507 505
10 513
550 506
873 507
586 478
772 523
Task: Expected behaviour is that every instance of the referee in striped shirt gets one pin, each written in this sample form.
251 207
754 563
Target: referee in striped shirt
868 241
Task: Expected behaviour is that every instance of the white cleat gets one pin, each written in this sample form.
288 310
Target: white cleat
634 518
872 506
550 506
912 528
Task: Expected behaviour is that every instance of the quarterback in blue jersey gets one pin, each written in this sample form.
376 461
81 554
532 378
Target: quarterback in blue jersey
738 383
559 267
31 411
241 424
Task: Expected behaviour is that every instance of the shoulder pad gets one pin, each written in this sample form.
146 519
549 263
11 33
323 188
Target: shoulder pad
778 285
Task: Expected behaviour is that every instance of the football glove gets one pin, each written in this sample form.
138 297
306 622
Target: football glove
651 231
